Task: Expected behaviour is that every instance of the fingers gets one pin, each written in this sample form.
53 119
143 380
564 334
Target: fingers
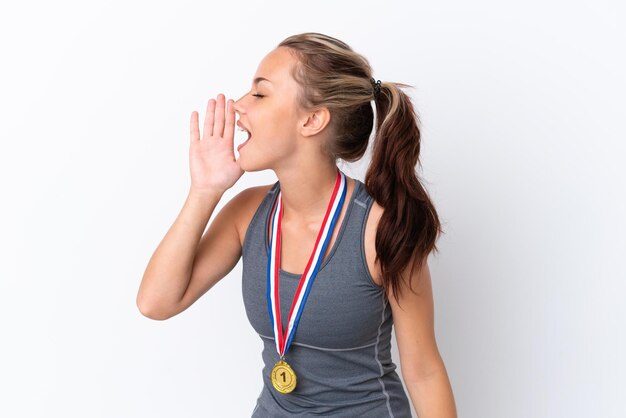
218 127
229 129
219 120
207 131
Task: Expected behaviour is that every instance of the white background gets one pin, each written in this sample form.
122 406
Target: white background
522 109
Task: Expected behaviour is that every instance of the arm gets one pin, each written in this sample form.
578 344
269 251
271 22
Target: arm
184 266
423 370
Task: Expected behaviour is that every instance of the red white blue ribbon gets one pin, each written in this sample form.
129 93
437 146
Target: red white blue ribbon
283 341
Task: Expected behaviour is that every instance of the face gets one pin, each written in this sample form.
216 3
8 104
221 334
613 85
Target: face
269 112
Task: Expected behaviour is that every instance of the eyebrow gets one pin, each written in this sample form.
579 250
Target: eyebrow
258 79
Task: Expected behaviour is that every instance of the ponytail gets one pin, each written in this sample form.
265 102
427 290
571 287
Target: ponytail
409 227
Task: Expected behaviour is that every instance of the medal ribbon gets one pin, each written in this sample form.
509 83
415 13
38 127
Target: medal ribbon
283 342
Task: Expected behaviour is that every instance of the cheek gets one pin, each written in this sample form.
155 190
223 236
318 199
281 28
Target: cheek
277 126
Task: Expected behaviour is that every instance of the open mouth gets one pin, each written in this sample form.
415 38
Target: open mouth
245 135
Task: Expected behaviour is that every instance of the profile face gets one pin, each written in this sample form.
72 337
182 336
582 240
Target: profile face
270 113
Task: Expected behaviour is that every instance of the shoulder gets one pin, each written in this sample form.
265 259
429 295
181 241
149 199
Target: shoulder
245 205
371 225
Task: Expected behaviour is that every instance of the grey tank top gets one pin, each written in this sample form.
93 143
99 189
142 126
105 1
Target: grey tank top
341 349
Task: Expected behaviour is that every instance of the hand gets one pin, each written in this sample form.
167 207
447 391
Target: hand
212 159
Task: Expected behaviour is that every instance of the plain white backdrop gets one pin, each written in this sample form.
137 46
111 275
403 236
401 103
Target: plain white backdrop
523 142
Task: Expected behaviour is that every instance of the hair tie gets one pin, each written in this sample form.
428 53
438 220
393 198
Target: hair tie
376 85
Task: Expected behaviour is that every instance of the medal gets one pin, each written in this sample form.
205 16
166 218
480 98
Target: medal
282 375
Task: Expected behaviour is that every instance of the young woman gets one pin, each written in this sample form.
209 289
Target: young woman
330 263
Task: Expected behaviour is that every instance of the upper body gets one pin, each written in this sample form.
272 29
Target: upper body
341 350
413 323
311 104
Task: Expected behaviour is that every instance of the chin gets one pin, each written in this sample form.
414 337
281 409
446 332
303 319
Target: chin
250 166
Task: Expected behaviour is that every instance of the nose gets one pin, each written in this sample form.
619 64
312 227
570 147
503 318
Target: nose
238 105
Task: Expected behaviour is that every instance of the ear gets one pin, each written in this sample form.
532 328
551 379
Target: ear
314 122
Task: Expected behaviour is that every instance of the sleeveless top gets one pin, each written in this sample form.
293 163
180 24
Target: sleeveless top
340 352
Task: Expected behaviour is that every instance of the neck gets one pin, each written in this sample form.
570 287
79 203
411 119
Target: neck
306 192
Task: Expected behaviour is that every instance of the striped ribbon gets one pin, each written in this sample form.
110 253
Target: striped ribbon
283 341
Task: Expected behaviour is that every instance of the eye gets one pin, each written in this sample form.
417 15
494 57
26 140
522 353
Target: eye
258 95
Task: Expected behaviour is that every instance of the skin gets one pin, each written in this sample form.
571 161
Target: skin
287 140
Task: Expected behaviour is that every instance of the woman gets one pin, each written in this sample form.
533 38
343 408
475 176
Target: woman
359 249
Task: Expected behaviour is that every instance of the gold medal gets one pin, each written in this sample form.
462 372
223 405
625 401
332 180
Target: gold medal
283 377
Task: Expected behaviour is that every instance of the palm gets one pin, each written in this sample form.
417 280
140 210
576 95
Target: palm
212 160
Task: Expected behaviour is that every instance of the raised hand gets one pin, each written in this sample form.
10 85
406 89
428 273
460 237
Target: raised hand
212 159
